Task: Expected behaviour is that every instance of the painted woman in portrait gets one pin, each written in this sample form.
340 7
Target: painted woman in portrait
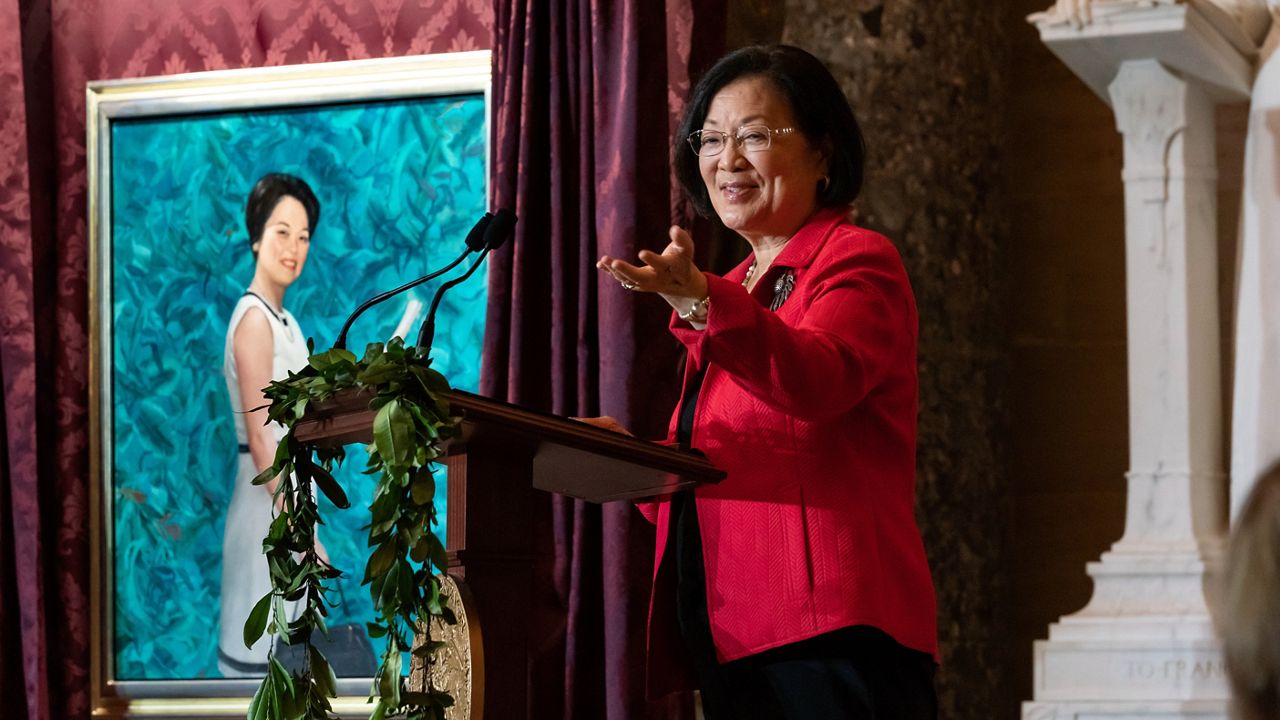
263 343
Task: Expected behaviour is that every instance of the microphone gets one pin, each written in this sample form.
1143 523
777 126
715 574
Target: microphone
475 241
504 223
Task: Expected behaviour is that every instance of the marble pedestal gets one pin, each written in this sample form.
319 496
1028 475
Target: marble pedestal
1144 646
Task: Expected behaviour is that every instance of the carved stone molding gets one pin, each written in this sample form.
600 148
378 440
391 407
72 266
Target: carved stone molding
1243 23
1079 13
1194 39
1107 711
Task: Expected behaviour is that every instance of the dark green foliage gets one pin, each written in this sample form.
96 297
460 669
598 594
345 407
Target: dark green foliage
411 425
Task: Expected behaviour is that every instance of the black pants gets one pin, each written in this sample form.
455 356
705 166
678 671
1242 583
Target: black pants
855 673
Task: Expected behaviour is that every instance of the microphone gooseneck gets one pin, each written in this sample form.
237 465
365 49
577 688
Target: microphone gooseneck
477 239
495 235
428 331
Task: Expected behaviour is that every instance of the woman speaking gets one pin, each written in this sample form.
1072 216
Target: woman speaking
798 586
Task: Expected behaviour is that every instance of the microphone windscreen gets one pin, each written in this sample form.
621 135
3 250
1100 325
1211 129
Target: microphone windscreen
477 236
503 225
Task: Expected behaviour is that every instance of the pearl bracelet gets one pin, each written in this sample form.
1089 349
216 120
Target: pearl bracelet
697 312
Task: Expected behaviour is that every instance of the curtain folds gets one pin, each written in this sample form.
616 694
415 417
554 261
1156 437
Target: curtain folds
19 579
44 521
586 93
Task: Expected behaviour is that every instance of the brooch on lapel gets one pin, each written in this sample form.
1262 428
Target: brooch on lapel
782 288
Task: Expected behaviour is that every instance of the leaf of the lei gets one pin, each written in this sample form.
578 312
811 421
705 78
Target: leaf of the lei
391 433
286 692
332 358
388 599
408 594
372 352
330 487
419 417
379 562
279 565
257 622
294 706
300 409
424 487
443 698
320 705
325 679
265 476
378 374
435 381
279 617
384 513
317 619
424 651
298 580
439 557
389 682
375 591
258 706
395 350
434 598
420 551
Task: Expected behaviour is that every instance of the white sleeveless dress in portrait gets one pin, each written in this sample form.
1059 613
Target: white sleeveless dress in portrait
245 577
1255 430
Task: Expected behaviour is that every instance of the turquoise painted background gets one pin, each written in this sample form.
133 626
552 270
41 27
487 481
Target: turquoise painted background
400 183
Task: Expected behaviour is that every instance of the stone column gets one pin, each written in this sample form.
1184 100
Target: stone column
1144 645
925 80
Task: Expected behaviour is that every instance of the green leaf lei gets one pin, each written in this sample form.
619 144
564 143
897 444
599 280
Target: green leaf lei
410 428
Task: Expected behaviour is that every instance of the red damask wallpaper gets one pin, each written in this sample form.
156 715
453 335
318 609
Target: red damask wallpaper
49 49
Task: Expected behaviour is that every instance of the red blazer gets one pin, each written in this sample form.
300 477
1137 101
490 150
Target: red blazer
812 412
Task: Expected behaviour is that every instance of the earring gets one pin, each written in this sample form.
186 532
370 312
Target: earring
824 183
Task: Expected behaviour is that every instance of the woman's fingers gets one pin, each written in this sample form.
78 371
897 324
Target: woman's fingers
604 423
667 272
654 260
681 240
625 273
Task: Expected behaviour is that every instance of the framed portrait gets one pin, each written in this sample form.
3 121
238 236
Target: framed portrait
395 152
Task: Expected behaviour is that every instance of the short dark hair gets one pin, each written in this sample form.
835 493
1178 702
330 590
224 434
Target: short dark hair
267 193
822 113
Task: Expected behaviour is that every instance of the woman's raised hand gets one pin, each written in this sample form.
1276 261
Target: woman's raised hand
671 273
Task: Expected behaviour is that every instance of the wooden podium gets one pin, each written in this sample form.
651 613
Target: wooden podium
505 454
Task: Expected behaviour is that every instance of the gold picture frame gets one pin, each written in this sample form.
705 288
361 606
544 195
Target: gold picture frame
112 105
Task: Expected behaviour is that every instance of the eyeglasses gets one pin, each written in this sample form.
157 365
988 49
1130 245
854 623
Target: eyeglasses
751 138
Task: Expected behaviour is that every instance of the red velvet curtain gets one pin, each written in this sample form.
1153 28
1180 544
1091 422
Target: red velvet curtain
586 94
44 639
49 49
